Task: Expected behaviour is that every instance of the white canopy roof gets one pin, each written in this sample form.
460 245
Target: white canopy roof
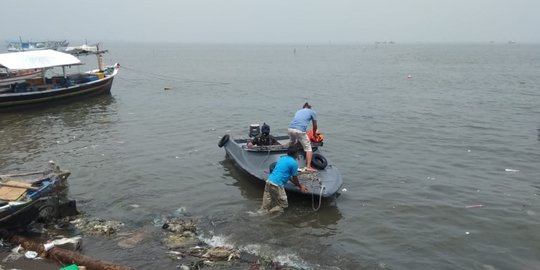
37 59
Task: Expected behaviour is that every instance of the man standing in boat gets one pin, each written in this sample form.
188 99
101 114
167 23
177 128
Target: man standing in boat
275 198
298 128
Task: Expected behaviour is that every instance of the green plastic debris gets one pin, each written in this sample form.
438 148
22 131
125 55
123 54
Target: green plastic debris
70 267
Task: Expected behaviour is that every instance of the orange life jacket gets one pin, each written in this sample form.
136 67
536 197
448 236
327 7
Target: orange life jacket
319 137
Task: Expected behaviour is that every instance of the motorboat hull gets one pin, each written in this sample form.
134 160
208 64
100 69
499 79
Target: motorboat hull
257 162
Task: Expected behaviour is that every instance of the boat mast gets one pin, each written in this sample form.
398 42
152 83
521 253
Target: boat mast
21 43
99 59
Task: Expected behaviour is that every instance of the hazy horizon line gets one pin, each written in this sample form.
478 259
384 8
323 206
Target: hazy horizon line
382 42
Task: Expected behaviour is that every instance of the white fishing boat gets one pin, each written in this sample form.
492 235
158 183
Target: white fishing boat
45 89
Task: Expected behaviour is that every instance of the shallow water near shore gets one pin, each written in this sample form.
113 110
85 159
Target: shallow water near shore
438 146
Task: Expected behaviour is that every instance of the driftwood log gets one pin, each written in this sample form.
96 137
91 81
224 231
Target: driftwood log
62 255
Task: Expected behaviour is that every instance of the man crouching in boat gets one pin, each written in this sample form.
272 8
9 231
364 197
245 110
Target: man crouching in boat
275 198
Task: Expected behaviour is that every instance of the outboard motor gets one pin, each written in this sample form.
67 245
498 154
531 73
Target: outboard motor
254 130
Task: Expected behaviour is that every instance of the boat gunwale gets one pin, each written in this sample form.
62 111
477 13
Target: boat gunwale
43 92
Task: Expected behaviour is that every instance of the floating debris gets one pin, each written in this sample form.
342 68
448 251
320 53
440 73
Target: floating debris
176 241
474 206
31 255
184 233
72 243
511 170
97 226
178 225
215 253
133 239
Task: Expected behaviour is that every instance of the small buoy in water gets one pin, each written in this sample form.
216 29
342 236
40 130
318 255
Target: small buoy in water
467 233
166 88
409 76
344 190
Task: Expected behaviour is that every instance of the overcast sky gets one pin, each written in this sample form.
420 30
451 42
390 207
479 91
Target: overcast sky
273 21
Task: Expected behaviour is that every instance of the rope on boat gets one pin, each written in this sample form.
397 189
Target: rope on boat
312 178
320 197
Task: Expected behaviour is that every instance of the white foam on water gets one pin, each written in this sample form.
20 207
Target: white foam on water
288 259
292 260
216 241
254 249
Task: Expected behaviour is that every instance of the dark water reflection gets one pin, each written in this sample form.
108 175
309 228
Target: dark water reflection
31 132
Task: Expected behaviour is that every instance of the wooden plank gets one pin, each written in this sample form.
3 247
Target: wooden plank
11 194
16 184
13 190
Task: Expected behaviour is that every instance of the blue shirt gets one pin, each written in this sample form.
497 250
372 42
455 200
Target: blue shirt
301 119
285 168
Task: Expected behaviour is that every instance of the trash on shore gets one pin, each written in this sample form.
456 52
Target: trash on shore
184 245
72 267
97 226
31 254
178 225
220 253
62 255
69 243
183 233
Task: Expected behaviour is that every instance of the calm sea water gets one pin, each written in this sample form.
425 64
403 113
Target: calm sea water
419 132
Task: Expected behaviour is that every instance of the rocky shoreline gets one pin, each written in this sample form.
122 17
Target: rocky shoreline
179 235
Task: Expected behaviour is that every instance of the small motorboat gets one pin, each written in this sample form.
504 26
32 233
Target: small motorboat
259 161
23 196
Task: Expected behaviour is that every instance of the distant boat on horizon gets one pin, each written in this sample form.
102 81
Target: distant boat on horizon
19 46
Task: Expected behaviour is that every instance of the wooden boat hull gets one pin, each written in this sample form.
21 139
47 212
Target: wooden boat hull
21 215
23 196
101 86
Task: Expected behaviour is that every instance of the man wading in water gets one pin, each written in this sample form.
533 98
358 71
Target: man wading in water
275 198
